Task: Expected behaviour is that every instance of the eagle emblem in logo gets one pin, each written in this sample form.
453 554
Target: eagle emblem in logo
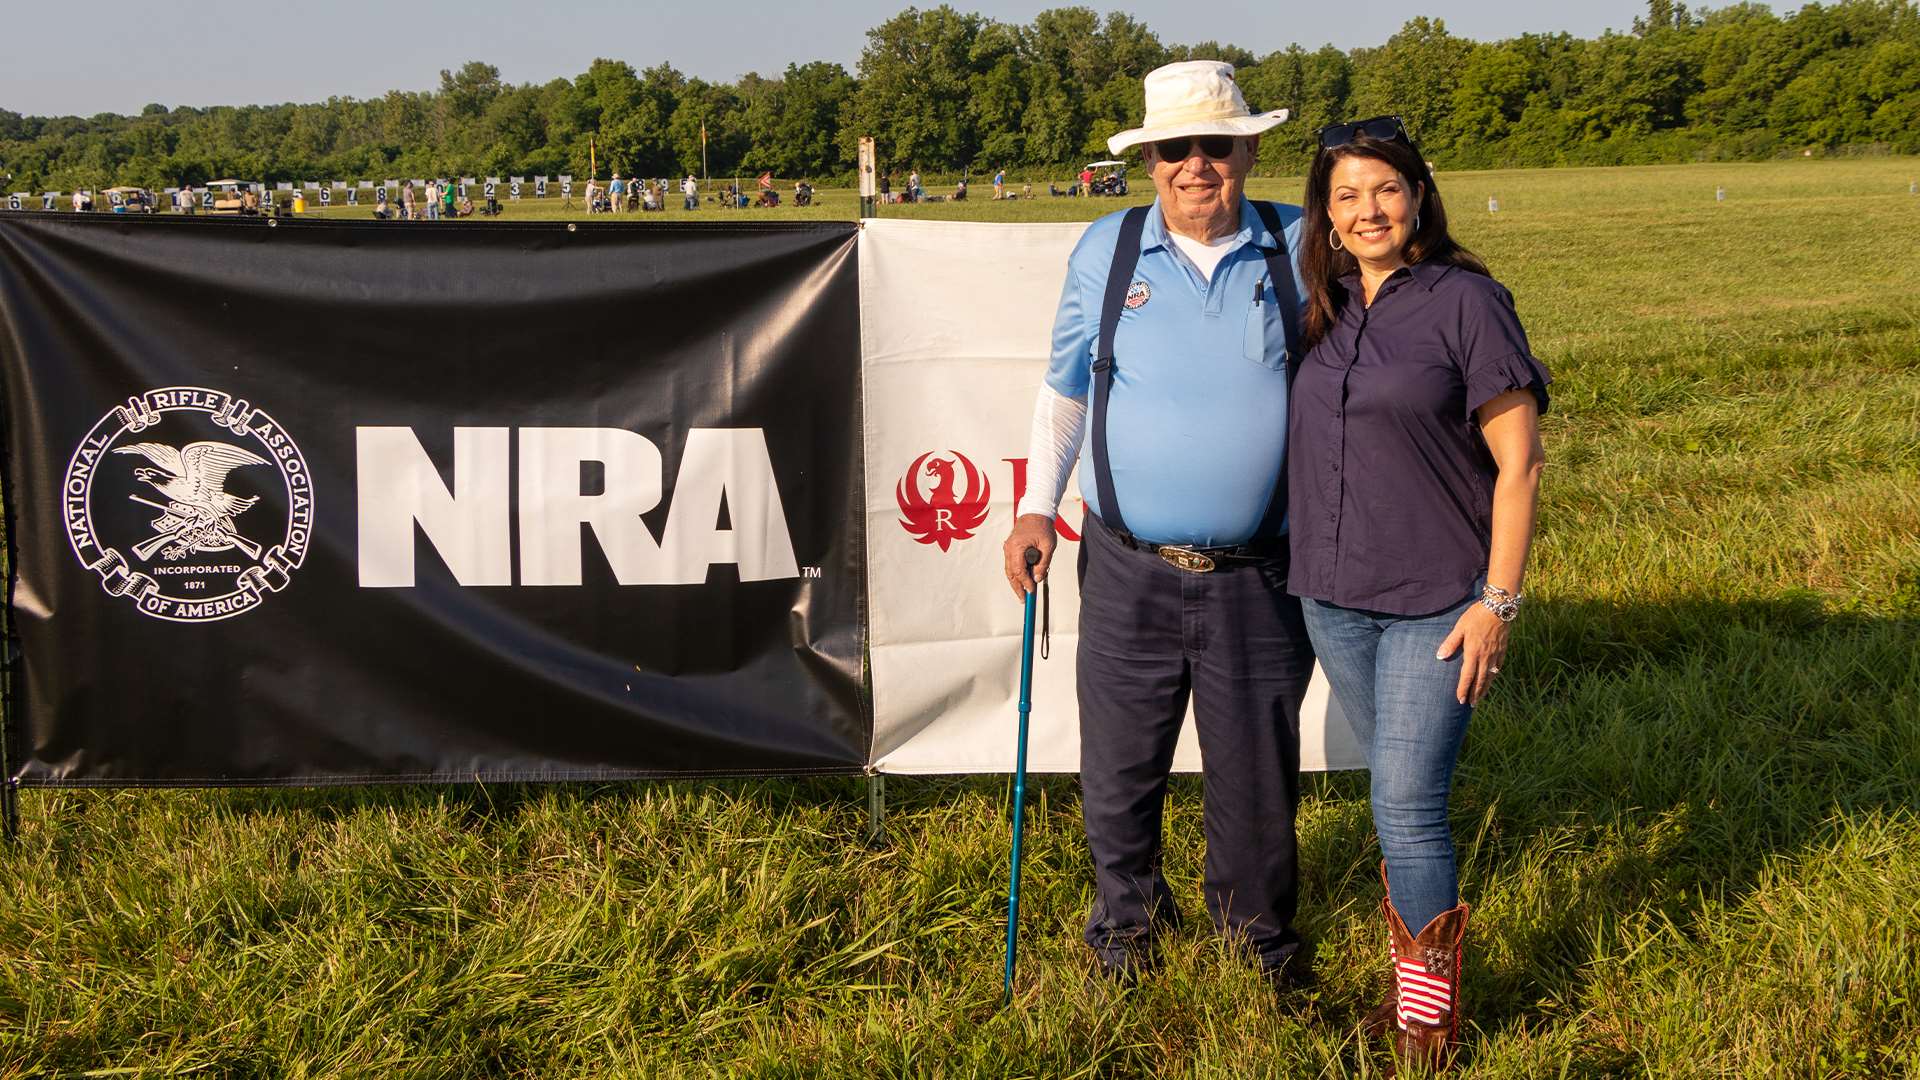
942 514
198 516
212 515
1137 295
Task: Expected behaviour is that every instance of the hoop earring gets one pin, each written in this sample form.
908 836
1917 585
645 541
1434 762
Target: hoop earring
1333 240
1416 221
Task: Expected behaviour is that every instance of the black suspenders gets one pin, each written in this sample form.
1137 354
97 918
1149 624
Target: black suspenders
1126 255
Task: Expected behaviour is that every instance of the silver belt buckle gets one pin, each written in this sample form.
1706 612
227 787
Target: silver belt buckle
1193 562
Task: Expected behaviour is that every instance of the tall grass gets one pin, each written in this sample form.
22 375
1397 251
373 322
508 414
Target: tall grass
1686 818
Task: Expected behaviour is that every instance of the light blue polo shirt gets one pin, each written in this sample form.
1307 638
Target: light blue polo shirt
1197 420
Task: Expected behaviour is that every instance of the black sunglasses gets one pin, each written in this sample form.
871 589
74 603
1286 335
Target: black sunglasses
1384 128
1217 147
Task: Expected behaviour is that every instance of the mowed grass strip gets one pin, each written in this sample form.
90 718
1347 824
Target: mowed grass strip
1686 819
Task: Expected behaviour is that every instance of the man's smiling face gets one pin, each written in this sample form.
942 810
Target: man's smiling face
1199 188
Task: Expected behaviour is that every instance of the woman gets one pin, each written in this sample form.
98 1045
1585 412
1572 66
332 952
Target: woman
1413 467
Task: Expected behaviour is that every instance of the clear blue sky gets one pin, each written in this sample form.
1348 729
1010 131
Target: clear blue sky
63 60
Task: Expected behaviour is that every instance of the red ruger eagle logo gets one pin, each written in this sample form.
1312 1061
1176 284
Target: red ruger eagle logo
942 516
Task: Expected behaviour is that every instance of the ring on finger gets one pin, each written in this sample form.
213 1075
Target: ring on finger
1493 671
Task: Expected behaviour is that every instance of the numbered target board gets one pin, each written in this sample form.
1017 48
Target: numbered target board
539 187
17 200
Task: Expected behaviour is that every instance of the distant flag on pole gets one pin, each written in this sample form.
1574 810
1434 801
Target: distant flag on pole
766 180
592 171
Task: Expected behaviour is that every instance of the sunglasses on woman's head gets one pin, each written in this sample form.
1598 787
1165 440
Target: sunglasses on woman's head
1217 147
1384 128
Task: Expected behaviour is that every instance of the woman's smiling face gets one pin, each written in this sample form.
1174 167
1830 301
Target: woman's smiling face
1372 207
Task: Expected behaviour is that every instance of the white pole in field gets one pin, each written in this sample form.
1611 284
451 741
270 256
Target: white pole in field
866 176
1493 205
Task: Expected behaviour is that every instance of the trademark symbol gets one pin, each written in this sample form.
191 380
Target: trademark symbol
809 571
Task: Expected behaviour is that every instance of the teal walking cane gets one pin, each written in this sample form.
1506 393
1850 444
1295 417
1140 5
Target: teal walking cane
1020 785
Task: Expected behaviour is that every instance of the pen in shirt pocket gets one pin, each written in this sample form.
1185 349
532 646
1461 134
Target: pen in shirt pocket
1259 291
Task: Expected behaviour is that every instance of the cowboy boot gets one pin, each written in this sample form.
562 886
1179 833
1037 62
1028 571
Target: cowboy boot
1426 986
1383 1017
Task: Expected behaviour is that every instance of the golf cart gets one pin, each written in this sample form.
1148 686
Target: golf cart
230 197
1113 183
130 200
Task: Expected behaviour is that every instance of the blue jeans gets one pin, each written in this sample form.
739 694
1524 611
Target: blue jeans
1401 703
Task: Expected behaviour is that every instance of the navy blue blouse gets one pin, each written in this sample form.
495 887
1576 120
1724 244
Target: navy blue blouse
1390 482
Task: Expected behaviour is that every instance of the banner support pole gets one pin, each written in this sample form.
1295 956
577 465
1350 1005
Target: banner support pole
876 810
9 785
9 656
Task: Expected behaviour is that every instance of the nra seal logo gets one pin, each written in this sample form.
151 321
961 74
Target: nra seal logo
190 503
1137 295
941 514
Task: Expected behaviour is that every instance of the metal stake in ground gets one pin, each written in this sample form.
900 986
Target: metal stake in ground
1020 784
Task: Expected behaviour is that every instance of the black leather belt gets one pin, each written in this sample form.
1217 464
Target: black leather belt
1204 560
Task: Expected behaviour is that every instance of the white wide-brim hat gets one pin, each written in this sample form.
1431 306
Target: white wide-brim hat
1195 97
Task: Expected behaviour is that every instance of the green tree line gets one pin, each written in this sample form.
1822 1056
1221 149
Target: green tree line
945 90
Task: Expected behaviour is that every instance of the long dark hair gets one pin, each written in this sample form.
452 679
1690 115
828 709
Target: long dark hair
1323 267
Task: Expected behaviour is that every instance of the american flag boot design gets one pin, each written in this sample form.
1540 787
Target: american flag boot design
1426 985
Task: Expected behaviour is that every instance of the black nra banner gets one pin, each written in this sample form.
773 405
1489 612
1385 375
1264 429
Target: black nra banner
324 502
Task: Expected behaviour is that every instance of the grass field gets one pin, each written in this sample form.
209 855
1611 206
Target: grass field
1686 818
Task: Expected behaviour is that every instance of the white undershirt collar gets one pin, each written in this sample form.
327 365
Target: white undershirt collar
1204 256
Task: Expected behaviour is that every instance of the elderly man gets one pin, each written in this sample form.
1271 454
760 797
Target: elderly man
1172 348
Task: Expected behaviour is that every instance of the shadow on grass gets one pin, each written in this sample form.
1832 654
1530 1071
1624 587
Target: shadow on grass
1645 764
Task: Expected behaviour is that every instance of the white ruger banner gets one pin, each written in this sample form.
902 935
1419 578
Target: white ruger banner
955 322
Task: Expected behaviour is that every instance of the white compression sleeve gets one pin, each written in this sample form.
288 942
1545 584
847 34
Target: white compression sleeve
1051 449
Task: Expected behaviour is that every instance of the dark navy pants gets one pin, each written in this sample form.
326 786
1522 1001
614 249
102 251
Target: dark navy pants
1151 636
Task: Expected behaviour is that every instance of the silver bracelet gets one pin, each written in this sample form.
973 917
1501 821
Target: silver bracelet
1504 605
